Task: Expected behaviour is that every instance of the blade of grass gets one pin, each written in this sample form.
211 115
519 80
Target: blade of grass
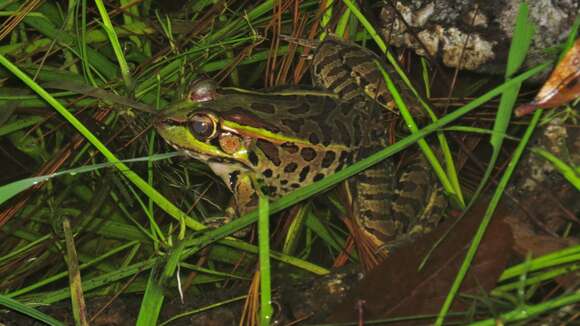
95 282
332 239
152 300
527 280
119 54
18 124
154 295
294 230
413 128
527 312
264 259
343 23
12 189
487 219
477 130
552 259
59 276
521 41
26 310
74 276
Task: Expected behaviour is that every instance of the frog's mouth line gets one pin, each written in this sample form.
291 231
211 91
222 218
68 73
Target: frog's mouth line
207 158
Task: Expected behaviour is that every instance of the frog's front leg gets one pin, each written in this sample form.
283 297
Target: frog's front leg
245 197
241 184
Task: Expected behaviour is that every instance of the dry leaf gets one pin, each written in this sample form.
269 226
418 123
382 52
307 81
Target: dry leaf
562 86
396 288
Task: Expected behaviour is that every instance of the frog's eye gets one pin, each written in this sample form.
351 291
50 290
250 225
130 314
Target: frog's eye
203 126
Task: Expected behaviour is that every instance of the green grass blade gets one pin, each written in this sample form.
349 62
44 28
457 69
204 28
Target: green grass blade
551 259
154 294
113 38
509 97
152 300
294 230
413 128
487 218
521 41
12 189
18 124
287 259
96 282
74 275
264 258
59 276
476 130
527 312
26 310
330 238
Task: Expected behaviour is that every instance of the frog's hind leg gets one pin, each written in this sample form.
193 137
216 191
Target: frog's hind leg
419 202
372 192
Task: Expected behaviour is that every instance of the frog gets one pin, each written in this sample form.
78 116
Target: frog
276 141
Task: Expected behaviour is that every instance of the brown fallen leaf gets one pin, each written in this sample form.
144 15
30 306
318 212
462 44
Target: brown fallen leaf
562 86
395 288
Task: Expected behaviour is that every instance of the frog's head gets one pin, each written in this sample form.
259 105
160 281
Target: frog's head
196 126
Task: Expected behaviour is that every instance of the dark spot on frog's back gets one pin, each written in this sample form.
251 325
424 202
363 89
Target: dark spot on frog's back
269 190
318 177
304 173
269 150
267 173
308 154
290 147
328 159
253 158
314 140
263 107
344 158
291 167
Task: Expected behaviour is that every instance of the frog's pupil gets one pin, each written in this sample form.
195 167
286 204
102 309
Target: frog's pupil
200 127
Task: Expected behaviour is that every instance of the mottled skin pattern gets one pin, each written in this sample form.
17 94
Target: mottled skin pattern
280 141
386 207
